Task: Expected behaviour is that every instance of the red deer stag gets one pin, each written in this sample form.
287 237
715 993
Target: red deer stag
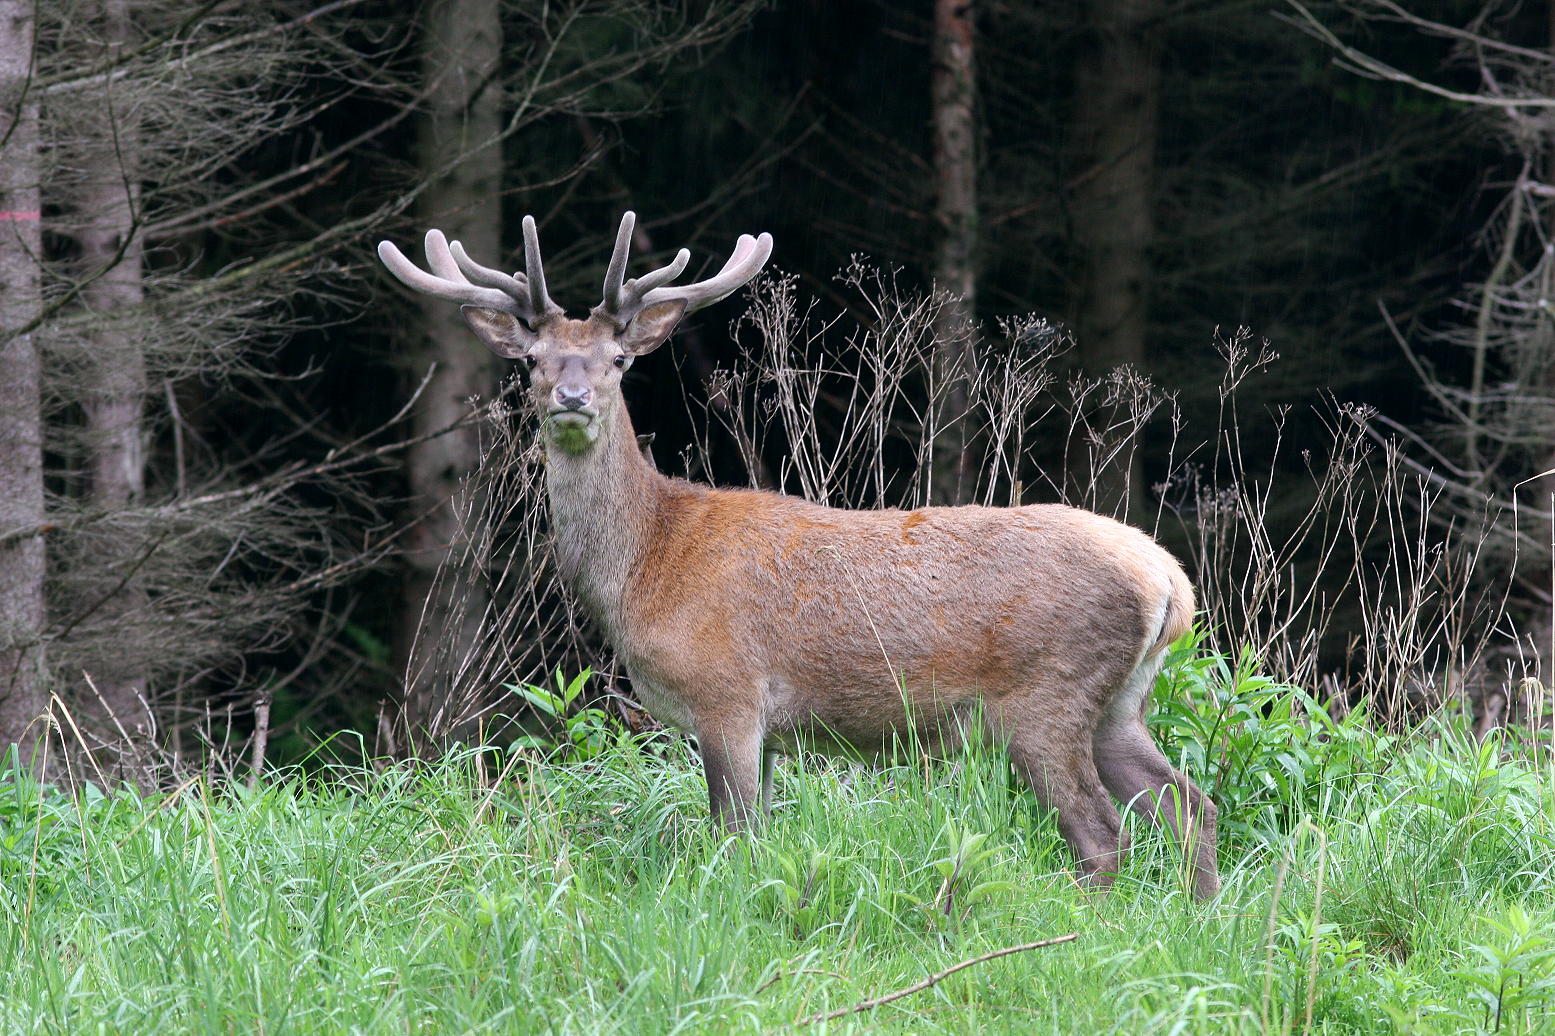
755 620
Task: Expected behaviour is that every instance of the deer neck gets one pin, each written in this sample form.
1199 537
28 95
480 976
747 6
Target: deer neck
601 501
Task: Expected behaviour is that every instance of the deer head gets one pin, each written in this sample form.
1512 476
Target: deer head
575 366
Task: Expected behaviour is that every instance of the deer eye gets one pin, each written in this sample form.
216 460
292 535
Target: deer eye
621 362
529 361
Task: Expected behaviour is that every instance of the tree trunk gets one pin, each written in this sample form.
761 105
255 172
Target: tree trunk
952 87
1116 114
441 615
23 692
1543 489
115 388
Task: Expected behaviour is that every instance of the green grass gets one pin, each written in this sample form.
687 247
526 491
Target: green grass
1406 888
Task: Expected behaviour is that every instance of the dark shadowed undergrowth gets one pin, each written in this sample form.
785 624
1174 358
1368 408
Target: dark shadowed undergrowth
1374 883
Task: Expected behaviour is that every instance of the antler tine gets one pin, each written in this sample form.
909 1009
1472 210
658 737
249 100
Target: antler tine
750 255
663 275
539 298
439 259
621 293
615 273
623 301
514 284
623 298
445 281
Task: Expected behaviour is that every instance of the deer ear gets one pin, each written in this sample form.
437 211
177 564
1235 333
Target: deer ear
503 333
651 327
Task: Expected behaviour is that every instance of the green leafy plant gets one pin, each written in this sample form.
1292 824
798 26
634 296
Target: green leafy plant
962 871
798 888
1265 751
1514 975
1304 938
571 734
41 824
33 825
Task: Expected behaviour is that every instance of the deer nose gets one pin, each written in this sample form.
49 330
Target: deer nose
573 397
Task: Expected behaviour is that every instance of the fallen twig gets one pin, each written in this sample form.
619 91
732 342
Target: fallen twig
781 975
917 987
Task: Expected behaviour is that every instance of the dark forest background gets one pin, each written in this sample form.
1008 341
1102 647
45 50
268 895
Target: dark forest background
229 442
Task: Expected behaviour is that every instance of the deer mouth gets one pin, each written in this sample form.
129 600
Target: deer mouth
580 418
572 430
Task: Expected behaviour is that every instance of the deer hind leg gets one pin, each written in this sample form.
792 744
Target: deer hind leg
1137 773
1057 766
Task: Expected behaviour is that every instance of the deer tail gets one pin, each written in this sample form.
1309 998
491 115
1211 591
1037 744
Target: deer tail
1179 611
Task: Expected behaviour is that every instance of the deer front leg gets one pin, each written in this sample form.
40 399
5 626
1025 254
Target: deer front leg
769 760
731 760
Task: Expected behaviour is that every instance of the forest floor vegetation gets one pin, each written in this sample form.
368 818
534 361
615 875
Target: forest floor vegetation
1373 883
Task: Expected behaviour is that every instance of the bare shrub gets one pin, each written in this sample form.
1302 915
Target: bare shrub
1489 368
1340 583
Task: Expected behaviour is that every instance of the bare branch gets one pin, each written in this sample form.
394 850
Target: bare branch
1364 64
937 977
